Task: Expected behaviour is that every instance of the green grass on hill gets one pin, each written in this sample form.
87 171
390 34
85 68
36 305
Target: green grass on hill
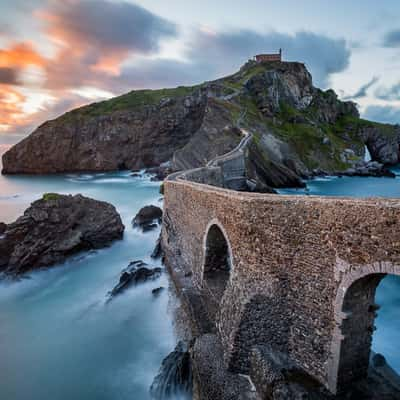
135 98
50 196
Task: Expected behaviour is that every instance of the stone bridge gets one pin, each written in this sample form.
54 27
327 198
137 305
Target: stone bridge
295 273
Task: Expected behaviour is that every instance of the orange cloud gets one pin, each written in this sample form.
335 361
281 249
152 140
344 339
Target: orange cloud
21 55
11 107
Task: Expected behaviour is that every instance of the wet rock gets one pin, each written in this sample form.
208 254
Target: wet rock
371 168
175 375
258 187
378 360
157 291
56 227
3 227
136 272
382 147
147 218
157 251
135 175
160 172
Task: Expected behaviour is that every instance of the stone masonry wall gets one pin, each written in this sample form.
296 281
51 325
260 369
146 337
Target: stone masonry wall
291 255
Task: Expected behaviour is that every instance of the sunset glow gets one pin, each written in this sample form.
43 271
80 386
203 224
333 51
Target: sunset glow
59 54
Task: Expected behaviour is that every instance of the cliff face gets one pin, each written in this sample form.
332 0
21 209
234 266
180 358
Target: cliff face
297 130
100 138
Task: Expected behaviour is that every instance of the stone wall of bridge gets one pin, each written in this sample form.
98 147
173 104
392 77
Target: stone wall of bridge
293 260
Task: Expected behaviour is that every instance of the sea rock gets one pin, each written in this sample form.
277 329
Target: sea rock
147 218
371 168
157 251
382 146
175 375
156 291
136 272
161 172
55 227
258 187
3 227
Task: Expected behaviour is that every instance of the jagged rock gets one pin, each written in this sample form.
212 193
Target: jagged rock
3 227
384 148
258 187
175 375
136 272
157 251
287 83
156 291
160 172
266 168
378 360
147 218
55 227
371 168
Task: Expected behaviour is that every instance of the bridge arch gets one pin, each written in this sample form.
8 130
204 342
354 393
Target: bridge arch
355 312
217 263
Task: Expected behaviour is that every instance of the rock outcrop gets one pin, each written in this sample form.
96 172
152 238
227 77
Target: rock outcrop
136 272
147 218
175 376
296 129
55 227
134 131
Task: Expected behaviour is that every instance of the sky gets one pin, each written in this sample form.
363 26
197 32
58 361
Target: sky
56 55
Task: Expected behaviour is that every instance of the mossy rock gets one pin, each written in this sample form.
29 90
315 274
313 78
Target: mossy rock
50 196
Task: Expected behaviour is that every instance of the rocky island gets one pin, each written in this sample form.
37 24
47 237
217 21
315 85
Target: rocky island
297 130
55 227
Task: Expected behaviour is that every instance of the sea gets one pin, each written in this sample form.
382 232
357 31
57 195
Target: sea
61 340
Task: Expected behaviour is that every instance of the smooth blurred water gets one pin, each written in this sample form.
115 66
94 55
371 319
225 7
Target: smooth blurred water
386 337
58 338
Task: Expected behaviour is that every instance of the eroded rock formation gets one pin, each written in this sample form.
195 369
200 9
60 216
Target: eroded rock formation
55 227
136 272
147 218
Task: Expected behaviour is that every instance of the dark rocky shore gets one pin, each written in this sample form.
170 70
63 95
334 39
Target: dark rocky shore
55 227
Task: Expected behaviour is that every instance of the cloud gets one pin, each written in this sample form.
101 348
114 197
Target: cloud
385 114
8 76
362 91
21 55
11 107
323 55
97 36
210 55
14 119
107 25
392 39
389 93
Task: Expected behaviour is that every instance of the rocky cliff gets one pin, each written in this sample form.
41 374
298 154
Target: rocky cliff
297 130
